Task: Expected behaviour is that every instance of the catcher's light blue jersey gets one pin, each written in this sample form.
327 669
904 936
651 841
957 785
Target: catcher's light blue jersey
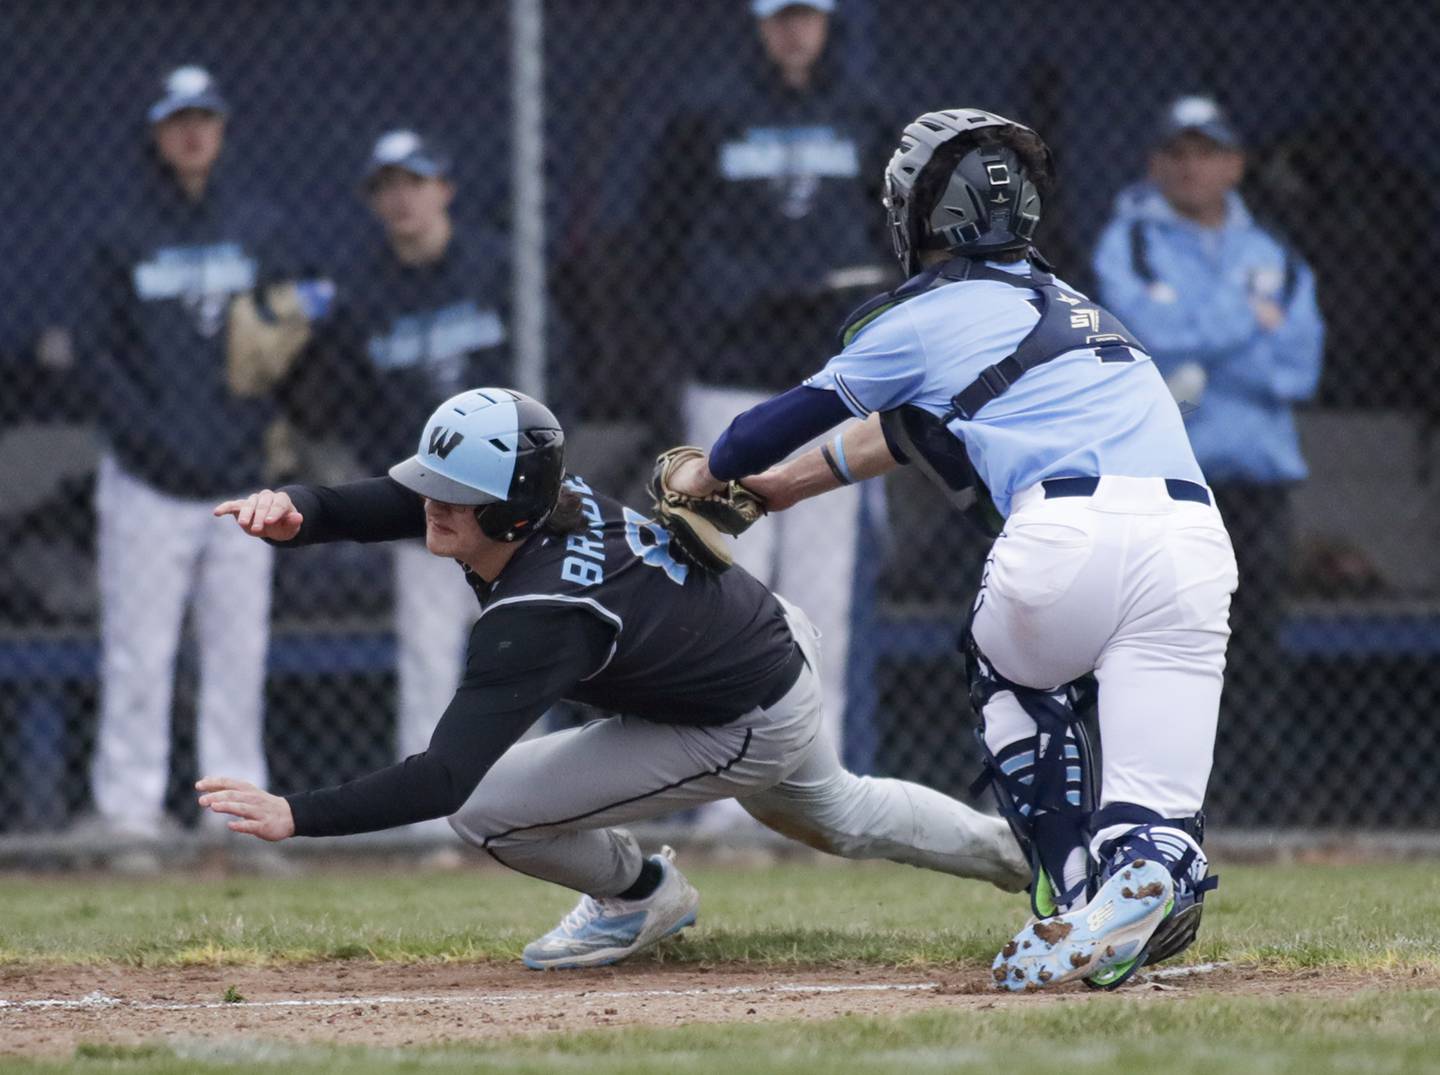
1076 415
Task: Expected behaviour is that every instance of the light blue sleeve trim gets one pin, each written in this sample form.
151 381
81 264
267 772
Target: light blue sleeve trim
839 453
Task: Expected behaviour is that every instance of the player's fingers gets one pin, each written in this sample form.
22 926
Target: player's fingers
228 507
222 783
246 512
251 827
263 501
219 805
280 506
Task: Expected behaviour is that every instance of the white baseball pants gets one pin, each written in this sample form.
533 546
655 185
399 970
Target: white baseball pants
434 611
806 552
547 808
159 554
1135 586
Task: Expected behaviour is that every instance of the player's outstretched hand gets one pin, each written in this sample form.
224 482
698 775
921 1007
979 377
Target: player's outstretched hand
254 811
267 514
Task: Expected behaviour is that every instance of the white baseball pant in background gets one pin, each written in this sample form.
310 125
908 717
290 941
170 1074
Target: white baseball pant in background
806 552
434 611
1135 586
158 555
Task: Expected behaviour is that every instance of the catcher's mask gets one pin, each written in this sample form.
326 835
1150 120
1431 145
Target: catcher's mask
496 449
989 205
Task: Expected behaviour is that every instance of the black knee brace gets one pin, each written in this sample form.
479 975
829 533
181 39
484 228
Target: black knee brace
1043 784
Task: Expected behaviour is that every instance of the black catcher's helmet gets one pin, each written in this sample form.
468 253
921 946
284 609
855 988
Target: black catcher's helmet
989 203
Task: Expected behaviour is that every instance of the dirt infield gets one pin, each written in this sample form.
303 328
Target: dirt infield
51 1011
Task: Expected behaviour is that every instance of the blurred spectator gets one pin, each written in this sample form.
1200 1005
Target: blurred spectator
419 317
1228 310
183 368
764 202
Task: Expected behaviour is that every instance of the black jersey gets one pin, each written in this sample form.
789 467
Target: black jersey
688 647
605 616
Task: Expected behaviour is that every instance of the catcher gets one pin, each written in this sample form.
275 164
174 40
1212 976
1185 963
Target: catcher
582 598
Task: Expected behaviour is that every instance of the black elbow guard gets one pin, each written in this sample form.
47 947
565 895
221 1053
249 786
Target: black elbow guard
914 435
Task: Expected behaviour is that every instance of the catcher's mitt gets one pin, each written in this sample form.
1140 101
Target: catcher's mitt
697 524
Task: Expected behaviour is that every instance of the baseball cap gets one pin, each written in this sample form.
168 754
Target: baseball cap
763 9
188 87
1202 115
407 150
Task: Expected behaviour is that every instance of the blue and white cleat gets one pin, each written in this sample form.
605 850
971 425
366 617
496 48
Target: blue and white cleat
606 930
1110 931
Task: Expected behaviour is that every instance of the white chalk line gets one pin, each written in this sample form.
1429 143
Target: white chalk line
1185 972
102 1000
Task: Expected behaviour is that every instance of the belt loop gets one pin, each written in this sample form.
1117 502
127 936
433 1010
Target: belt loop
1078 486
1180 489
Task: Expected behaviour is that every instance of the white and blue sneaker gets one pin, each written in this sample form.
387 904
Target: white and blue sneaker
606 930
1111 930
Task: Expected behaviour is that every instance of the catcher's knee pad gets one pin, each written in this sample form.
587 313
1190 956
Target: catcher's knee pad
1175 842
1043 783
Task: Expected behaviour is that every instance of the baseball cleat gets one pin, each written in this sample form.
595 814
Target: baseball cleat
605 930
1190 871
1111 931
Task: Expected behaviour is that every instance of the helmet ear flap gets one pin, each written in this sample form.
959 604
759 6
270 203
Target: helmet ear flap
534 488
498 522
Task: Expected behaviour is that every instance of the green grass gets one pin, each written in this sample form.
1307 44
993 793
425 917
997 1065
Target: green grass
1369 1032
1372 916
1356 918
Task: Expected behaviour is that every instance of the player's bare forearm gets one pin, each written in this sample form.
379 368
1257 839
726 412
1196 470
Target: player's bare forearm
866 455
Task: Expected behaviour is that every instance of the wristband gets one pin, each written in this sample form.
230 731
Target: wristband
836 468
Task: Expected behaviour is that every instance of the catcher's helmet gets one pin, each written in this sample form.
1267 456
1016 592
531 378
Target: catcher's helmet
494 448
989 204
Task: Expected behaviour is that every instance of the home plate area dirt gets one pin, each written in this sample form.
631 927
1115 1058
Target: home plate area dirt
54 1009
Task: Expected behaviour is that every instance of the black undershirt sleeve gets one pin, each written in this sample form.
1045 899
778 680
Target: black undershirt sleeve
373 509
522 659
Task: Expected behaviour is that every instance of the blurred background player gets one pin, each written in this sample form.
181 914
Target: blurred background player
763 193
419 315
1228 310
186 406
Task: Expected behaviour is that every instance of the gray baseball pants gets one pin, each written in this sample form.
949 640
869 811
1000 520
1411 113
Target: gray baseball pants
549 806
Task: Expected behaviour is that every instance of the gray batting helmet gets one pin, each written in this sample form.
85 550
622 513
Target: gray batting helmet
990 202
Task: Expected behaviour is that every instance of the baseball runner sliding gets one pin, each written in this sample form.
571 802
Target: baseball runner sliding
585 599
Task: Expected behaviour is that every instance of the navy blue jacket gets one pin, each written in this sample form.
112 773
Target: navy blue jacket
402 340
153 334
765 201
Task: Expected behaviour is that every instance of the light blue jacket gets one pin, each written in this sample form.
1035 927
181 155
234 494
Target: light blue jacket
1185 292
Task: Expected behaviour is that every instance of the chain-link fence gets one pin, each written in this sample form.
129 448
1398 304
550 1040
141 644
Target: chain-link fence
655 214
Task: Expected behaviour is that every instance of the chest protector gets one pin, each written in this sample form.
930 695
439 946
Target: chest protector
1068 322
